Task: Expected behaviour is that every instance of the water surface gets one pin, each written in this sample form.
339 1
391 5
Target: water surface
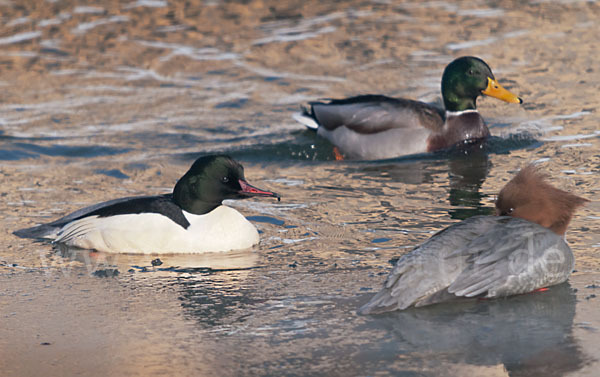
117 99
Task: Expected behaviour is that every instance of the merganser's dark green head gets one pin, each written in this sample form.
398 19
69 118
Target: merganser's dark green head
210 180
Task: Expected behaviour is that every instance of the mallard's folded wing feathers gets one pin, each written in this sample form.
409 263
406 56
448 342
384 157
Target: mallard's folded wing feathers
372 114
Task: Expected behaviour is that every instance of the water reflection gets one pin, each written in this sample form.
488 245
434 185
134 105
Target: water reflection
217 299
526 333
466 175
211 286
159 264
466 172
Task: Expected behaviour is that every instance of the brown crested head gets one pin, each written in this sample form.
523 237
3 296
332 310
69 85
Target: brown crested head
530 197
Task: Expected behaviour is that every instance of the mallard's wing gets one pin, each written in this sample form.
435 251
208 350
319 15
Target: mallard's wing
369 114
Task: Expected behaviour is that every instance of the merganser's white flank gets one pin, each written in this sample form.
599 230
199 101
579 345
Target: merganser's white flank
190 220
521 250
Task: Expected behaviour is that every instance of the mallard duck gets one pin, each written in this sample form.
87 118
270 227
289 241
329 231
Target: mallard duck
379 127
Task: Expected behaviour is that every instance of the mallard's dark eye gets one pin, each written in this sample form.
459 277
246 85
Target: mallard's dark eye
225 179
471 72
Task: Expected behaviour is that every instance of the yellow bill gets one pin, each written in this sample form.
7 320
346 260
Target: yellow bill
497 91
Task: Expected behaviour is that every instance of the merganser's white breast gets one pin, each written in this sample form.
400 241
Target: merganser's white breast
222 229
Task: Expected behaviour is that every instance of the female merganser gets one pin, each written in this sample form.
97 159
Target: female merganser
519 251
190 220
379 127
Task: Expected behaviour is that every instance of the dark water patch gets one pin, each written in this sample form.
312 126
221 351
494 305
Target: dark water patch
59 120
217 72
222 130
235 104
465 213
18 138
176 140
305 146
86 151
115 173
54 51
380 240
15 155
136 166
500 145
184 139
266 219
106 273
285 151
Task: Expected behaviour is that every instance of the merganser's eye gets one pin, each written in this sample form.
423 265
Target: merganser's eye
225 179
509 211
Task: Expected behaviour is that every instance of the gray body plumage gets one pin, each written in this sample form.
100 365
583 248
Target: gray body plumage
483 256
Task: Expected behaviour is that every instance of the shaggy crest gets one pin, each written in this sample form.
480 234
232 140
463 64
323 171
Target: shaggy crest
529 196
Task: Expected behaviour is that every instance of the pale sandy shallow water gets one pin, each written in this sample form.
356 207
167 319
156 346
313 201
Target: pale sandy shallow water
117 99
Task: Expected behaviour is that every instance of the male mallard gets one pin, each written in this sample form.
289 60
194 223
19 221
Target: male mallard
378 127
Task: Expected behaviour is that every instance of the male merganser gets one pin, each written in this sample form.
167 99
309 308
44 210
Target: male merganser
190 220
520 250
379 127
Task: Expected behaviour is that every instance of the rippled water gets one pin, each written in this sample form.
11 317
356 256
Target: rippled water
117 99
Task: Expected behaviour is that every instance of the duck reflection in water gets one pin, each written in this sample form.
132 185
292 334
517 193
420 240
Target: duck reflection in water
466 169
528 333
211 287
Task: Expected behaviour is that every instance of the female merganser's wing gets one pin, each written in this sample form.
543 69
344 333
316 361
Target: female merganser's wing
515 256
483 256
425 271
